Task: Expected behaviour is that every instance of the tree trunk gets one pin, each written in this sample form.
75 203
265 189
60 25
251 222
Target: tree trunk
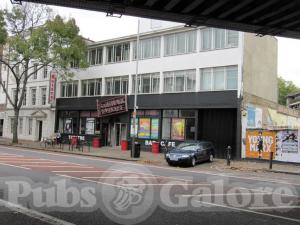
15 126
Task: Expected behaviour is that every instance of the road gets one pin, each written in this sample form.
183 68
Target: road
52 188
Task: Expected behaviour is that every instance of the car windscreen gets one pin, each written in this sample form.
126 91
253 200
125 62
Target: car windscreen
188 146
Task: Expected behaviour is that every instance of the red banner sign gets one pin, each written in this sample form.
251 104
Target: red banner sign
52 88
112 106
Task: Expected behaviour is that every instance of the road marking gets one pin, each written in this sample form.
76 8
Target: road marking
93 181
250 211
20 167
167 184
87 157
57 166
79 171
223 194
34 214
276 207
270 192
120 177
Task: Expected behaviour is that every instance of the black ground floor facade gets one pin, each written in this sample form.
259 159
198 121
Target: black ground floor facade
166 118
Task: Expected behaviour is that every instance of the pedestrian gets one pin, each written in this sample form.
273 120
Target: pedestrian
260 144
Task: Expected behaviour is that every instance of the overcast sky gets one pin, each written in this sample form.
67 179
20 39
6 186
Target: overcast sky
97 26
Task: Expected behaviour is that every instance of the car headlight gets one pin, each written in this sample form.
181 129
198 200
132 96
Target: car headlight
185 156
168 155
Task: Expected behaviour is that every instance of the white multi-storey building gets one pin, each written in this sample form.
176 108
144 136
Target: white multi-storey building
36 119
191 84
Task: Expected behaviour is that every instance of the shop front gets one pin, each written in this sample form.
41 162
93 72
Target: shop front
168 119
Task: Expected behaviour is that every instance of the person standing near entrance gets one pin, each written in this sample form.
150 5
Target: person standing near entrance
260 144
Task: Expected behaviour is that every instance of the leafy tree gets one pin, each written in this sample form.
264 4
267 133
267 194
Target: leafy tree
36 37
285 88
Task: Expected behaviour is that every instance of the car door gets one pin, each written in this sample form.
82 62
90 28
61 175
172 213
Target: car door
206 151
201 152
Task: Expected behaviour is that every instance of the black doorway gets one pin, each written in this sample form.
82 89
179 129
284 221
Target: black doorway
40 130
1 128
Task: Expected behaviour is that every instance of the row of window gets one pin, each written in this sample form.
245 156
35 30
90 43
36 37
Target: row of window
211 79
33 96
29 123
18 71
174 44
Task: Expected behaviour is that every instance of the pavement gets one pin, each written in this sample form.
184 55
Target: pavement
219 165
43 187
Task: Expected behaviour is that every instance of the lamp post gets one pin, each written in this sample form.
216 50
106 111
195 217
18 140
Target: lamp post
136 89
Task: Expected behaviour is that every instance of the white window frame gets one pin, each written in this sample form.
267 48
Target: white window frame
173 75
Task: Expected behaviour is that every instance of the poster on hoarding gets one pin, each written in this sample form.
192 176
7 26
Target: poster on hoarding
144 128
269 143
90 126
287 146
178 126
154 128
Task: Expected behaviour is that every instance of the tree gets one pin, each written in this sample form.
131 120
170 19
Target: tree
36 40
285 88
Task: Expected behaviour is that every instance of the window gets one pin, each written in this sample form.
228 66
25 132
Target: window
30 127
33 96
87 126
91 87
219 78
25 98
12 125
118 53
214 38
149 48
180 81
179 124
69 89
232 77
116 85
35 67
180 43
21 125
45 74
147 124
95 56
147 83
44 95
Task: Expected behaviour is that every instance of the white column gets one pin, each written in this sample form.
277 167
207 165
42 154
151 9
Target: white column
198 80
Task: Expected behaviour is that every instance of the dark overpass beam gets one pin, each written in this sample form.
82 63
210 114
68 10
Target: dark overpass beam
291 24
192 6
234 9
283 18
214 7
150 3
275 12
256 10
171 5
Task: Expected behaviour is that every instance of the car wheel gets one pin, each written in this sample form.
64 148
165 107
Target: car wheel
193 162
211 157
170 164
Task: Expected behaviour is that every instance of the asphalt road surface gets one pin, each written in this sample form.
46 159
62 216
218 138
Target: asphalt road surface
51 188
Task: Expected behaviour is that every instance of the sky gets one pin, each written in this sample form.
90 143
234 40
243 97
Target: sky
97 26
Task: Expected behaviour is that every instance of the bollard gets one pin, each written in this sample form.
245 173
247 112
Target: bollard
271 160
228 155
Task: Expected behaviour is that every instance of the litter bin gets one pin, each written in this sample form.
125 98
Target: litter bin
155 147
137 151
96 143
124 145
74 141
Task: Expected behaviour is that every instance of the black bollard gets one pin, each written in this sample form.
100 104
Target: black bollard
228 155
271 160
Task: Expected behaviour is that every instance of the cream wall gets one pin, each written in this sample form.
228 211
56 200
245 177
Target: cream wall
260 66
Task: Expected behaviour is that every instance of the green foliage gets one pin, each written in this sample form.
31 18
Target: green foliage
3 32
285 88
35 36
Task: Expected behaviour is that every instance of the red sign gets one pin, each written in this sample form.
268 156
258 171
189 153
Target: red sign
52 88
112 106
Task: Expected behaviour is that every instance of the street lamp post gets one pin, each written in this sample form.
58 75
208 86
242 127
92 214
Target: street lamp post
136 89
